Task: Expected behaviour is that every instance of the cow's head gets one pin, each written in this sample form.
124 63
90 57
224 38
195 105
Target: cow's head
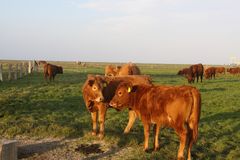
93 91
122 97
179 72
190 78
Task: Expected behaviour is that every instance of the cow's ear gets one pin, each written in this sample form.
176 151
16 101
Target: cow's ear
90 82
132 89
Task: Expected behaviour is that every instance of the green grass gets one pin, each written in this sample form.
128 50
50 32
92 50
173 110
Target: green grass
35 109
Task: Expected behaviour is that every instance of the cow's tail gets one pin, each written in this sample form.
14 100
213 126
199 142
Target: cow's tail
195 113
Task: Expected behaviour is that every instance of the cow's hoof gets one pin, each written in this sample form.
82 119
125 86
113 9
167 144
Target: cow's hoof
146 150
156 148
100 136
126 132
180 158
94 133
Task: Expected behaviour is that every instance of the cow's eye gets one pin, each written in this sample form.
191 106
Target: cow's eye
94 88
120 93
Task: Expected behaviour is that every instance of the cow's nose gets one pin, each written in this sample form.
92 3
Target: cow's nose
100 99
113 104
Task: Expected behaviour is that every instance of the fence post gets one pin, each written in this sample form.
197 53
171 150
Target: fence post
9 72
29 67
1 73
16 72
26 68
21 70
8 150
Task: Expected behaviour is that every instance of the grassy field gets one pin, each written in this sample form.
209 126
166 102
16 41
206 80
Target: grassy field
33 109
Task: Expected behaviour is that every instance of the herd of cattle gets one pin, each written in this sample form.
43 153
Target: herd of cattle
177 107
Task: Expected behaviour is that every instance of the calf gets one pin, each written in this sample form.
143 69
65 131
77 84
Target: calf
210 73
183 72
220 70
98 92
126 69
175 107
233 70
51 70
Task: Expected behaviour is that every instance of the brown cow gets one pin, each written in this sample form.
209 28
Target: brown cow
183 72
98 92
51 70
235 70
220 70
196 70
172 106
110 70
126 69
210 72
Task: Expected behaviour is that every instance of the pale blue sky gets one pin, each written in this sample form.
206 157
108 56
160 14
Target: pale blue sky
148 31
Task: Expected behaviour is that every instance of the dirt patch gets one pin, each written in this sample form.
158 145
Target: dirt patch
87 149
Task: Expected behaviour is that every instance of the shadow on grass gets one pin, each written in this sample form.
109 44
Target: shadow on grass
222 117
212 89
26 151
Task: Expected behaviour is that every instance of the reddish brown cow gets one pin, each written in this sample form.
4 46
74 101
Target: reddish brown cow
233 70
51 70
183 72
172 106
98 92
220 70
196 70
126 69
210 73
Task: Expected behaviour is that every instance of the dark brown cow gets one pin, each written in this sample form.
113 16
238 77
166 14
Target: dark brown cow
196 70
172 106
210 72
235 70
126 69
183 72
220 70
98 92
51 70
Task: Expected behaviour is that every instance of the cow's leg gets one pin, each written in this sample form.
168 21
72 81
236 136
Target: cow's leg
132 117
146 126
156 132
183 139
94 123
190 143
101 120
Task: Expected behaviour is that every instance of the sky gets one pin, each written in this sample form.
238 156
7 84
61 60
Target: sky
140 31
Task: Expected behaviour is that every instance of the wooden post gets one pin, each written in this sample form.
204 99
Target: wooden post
16 72
29 67
21 70
1 73
26 68
9 72
8 150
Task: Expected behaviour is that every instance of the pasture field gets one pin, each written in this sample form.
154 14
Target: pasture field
34 111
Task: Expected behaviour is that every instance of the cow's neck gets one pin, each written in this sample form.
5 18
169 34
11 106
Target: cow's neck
136 97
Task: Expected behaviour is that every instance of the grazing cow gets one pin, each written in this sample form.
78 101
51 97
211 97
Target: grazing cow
129 69
110 70
183 72
172 106
98 92
220 70
51 70
210 72
233 70
126 69
196 70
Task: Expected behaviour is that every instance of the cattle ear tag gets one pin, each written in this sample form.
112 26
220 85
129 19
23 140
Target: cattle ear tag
104 84
129 89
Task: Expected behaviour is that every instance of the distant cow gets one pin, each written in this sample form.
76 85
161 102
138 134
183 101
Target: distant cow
126 69
183 72
210 72
220 70
196 71
98 92
51 70
175 107
234 70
